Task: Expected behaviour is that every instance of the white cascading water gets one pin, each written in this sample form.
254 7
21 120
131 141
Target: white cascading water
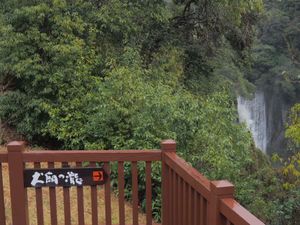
253 113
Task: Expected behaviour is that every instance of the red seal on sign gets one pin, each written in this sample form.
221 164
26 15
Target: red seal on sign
98 176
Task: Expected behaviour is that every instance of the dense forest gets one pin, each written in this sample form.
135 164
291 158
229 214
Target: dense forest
125 74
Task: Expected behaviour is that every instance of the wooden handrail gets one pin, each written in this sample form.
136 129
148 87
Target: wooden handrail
85 155
237 214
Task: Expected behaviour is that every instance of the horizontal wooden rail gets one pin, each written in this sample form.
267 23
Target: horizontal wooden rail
237 214
84 155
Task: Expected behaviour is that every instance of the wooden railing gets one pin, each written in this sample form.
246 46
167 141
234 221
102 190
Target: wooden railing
188 198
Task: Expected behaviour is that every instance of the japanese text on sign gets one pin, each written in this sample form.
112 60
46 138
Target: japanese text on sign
64 177
41 178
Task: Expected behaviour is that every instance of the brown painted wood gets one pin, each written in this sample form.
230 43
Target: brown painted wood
135 201
174 197
94 202
148 193
39 200
189 208
205 212
66 196
187 196
2 206
191 176
17 191
107 195
199 210
167 146
202 219
96 156
219 190
52 197
184 205
237 214
170 191
196 210
121 193
165 196
80 201
179 196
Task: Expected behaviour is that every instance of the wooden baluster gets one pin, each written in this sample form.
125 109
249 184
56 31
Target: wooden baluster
66 196
94 202
80 200
121 193
107 196
180 201
2 206
39 200
135 218
52 197
148 194
174 197
189 200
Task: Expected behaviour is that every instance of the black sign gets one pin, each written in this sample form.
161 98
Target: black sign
65 177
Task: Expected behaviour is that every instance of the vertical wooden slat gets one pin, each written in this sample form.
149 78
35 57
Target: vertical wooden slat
66 196
148 194
80 201
2 207
39 200
189 208
52 196
94 201
121 193
169 191
202 219
196 210
205 212
165 193
179 196
184 205
174 197
107 195
199 210
135 218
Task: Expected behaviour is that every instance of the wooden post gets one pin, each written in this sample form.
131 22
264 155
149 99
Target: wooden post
219 190
167 146
16 178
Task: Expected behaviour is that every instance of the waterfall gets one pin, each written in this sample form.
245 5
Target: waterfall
252 112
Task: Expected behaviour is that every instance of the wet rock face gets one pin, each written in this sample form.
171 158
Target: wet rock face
277 109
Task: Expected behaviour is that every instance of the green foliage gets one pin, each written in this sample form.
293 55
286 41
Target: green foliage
293 130
53 55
